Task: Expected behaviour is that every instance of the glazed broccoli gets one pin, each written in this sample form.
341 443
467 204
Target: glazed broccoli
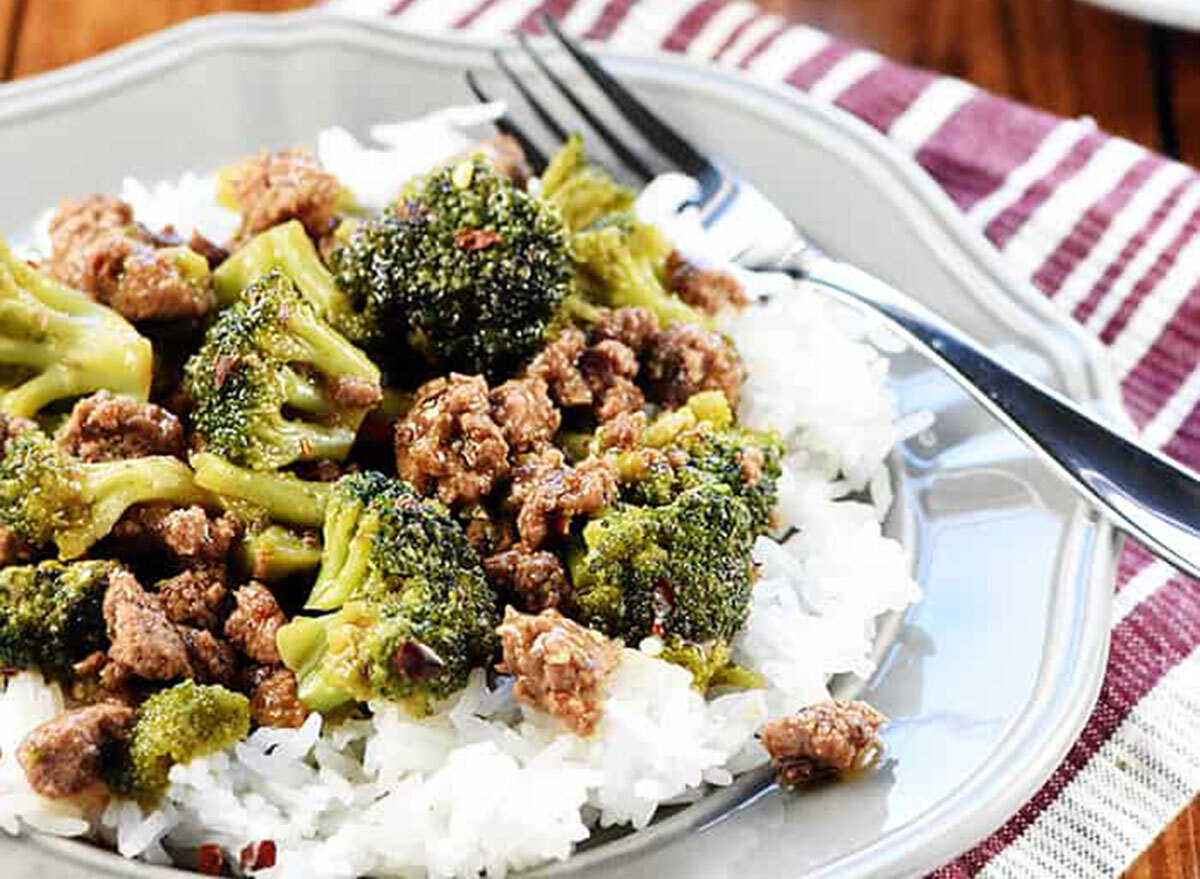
262 496
583 192
47 496
681 570
275 553
711 664
174 726
465 275
619 261
56 343
745 461
413 612
51 615
274 384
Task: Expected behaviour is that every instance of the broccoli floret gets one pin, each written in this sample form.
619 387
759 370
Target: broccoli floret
51 615
265 384
619 261
275 553
56 343
413 610
48 496
176 726
468 272
681 570
583 192
711 664
275 497
745 461
288 249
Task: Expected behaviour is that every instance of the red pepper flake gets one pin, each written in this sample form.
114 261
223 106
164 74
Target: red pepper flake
259 855
222 366
210 860
475 239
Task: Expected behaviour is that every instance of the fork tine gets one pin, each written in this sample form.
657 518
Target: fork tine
505 125
539 109
662 136
623 152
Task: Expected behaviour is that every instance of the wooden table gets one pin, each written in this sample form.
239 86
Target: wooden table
1136 80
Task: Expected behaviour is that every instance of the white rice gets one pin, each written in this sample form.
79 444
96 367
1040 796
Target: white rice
486 785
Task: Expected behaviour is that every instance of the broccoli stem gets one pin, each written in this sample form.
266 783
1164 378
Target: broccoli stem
305 395
276 553
347 556
284 497
112 487
71 344
303 645
285 247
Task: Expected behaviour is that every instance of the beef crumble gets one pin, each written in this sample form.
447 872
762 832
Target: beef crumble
197 597
535 580
709 290
106 427
272 188
143 639
64 757
829 738
683 360
97 248
253 624
558 665
525 413
449 443
274 700
549 493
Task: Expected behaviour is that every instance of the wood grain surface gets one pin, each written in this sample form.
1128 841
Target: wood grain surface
1136 80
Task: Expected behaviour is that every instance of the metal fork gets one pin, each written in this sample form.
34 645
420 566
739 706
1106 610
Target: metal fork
1139 490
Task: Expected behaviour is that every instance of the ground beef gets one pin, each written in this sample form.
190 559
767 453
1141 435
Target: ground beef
142 638
507 158
105 427
609 367
599 375
213 253
559 666
549 494
273 698
709 290
98 248
65 756
448 442
556 365
212 660
828 738
623 431
533 580
273 188
253 624
197 597
355 393
632 327
525 413
684 360
13 548
188 535
12 427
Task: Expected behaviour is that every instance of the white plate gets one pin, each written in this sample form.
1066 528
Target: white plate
1176 13
989 679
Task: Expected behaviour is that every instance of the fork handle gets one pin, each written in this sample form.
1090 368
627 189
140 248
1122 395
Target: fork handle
1140 491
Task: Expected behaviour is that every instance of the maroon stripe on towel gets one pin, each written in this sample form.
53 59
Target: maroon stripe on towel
763 45
556 9
609 20
883 95
690 25
1084 310
471 17
1173 357
400 7
1004 227
1088 230
736 34
1149 282
976 149
1185 445
1155 637
809 72
1135 558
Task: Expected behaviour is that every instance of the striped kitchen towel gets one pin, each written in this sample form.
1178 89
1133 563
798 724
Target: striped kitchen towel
1108 231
